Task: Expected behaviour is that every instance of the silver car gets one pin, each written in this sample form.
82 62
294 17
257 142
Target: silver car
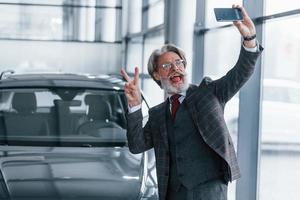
63 136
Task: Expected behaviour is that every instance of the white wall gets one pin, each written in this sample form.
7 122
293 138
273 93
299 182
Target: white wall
35 56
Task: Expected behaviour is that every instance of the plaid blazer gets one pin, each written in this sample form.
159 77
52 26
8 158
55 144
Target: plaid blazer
205 104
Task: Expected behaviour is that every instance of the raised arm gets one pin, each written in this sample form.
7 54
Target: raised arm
139 138
227 86
246 28
132 89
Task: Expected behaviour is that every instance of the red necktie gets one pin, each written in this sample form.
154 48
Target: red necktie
175 104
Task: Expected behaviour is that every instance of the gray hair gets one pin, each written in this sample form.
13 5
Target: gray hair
153 59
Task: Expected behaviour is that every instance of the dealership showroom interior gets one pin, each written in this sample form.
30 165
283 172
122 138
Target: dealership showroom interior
66 116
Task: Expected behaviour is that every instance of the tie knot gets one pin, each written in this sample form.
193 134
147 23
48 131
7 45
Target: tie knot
175 97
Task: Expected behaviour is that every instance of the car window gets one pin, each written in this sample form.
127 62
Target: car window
4 100
62 116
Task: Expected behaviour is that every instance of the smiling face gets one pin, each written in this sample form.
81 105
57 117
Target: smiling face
171 73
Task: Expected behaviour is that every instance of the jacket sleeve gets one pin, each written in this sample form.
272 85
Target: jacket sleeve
139 138
227 86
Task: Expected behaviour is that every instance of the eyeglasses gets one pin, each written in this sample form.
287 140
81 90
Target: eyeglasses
178 63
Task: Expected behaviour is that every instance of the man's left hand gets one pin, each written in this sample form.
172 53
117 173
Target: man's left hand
245 27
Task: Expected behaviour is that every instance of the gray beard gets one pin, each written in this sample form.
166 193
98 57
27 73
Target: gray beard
170 89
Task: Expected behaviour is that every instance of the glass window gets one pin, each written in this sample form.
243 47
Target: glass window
153 1
31 22
218 61
281 90
135 16
284 57
153 92
35 20
102 2
64 115
66 2
134 54
280 136
43 2
69 57
156 14
152 42
273 7
221 55
107 24
294 95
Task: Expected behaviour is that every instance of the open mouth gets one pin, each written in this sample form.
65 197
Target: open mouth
176 78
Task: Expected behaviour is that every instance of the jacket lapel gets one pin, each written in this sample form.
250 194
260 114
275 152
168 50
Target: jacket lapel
190 104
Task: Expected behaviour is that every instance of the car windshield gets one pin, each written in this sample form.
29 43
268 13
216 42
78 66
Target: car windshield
62 117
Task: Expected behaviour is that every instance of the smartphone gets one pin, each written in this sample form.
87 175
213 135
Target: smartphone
228 14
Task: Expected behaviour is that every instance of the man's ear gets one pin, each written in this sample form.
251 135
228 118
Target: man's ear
156 76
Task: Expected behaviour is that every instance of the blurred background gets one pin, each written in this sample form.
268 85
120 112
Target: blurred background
103 36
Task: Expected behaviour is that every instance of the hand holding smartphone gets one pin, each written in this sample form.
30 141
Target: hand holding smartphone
228 14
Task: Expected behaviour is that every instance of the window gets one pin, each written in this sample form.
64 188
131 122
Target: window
155 13
141 44
152 42
61 20
64 115
280 136
220 55
134 16
273 7
134 54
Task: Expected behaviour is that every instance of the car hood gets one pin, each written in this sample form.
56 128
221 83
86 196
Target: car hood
69 173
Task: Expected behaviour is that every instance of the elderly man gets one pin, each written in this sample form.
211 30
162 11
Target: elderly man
195 157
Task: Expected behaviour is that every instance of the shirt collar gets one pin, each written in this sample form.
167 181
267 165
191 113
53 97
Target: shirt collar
183 94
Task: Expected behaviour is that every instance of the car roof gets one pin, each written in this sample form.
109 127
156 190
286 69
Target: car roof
62 80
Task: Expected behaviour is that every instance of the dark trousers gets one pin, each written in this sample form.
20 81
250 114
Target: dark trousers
210 190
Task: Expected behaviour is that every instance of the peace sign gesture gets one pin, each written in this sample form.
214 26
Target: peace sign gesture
131 88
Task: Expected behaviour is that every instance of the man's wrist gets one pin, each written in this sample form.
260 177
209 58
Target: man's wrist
252 49
249 44
250 41
249 38
132 109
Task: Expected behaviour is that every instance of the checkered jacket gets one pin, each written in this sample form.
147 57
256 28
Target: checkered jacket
205 104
